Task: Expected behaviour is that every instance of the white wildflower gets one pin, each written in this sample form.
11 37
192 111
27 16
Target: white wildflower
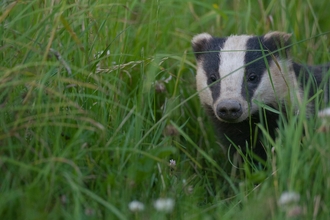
288 198
172 163
324 113
168 79
189 189
164 205
136 206
99 53
160 87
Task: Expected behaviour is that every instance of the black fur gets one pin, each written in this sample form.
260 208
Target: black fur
313 76
209 51
243 134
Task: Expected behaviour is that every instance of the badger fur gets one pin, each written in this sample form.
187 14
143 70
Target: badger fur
236 73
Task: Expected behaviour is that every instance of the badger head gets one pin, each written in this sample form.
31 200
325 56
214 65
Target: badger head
235 72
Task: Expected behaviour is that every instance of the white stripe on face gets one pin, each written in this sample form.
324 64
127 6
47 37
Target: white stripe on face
231 70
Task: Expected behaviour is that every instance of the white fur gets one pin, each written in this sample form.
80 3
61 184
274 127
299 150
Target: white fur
205 94
200 37
278 84
284 36
231 72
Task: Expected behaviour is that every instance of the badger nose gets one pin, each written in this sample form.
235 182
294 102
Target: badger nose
229 110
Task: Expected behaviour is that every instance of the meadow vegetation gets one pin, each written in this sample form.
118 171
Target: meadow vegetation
96 98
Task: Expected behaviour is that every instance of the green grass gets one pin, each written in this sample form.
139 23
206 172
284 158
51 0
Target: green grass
83 131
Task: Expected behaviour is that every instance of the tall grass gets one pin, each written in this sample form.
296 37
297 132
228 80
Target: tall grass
97 97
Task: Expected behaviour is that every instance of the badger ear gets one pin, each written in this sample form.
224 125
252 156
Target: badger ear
200 43
276 40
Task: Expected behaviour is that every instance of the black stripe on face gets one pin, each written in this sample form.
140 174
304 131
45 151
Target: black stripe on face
256 59
211 63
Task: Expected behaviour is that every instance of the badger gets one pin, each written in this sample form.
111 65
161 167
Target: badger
239 74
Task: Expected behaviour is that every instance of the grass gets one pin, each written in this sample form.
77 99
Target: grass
97 97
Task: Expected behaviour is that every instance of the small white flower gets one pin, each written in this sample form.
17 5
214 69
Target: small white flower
324 113
172 163
164 205
136 206
288 198
189 189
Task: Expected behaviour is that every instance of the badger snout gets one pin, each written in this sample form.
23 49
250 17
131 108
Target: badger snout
229 110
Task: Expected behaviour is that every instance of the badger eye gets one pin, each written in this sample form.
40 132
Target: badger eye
252 77
213 78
